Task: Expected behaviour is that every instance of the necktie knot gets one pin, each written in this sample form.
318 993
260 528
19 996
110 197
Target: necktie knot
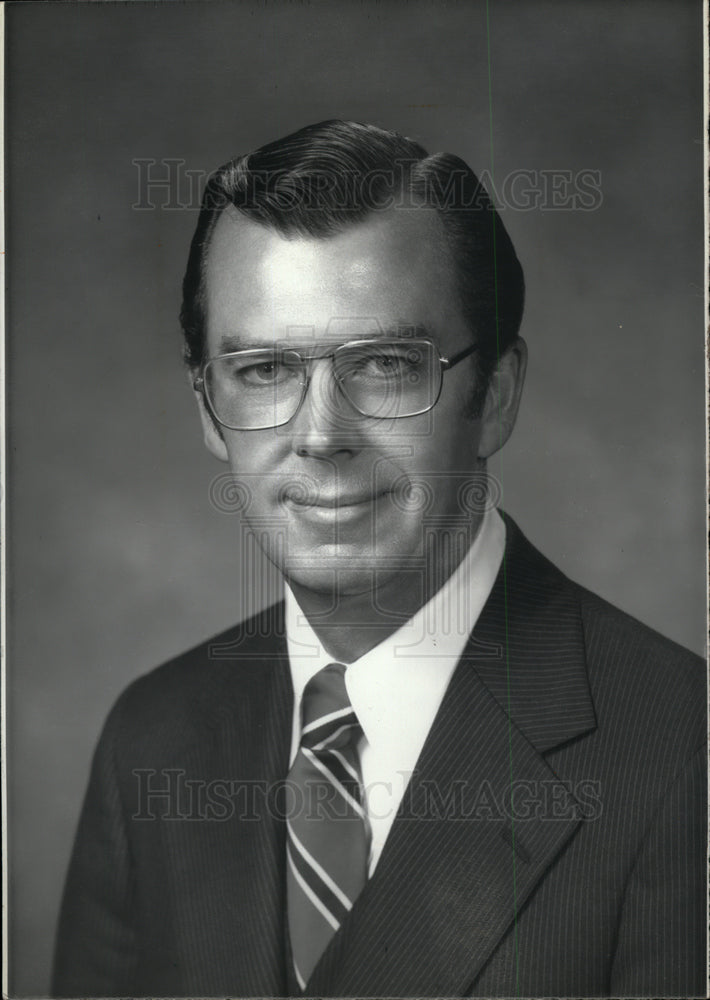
328 719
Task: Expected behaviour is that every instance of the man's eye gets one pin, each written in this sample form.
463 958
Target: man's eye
384 365
387 363
266 373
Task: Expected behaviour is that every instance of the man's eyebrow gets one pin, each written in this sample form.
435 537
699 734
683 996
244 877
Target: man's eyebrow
228 343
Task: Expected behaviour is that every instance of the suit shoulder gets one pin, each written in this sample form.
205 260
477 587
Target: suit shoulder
608 631
643 685
644 670
605 624
179 695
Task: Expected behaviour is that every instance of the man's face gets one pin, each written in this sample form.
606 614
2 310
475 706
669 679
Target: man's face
336 495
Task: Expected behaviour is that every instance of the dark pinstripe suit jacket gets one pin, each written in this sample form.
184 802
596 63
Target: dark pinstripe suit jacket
551 842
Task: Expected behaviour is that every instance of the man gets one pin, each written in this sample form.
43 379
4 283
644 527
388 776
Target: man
438 768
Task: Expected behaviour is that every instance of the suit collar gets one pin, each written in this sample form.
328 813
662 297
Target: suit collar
528 647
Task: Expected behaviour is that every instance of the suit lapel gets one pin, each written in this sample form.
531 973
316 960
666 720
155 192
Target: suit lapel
484 816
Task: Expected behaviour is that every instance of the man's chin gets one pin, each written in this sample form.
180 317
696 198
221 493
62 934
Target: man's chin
344 572
332 581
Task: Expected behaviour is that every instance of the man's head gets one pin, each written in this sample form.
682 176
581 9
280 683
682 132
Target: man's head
339 234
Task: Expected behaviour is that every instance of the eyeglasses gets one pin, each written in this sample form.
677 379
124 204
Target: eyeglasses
384 379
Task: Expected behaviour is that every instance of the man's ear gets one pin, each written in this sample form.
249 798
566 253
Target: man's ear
210 430
503 399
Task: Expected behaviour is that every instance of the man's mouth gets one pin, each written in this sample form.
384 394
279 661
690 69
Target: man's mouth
335 502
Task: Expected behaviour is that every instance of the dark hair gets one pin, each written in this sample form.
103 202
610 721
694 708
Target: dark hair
325 177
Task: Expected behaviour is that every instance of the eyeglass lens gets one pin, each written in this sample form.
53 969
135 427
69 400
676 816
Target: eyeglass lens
386 380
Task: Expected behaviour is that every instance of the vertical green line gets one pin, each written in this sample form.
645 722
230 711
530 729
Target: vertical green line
505 575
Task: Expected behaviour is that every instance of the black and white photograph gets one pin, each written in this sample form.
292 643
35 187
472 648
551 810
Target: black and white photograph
355 499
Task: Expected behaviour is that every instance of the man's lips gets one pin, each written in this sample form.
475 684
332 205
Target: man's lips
330 502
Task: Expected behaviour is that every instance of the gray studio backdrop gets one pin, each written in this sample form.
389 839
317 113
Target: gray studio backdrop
118 557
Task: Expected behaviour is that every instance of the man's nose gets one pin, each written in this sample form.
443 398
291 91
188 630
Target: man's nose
326 423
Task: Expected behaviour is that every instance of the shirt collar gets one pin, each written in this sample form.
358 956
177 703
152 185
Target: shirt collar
397 686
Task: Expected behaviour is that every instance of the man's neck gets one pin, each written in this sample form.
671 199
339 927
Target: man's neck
350 624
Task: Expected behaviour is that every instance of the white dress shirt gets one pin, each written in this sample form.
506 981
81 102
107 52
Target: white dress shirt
396 688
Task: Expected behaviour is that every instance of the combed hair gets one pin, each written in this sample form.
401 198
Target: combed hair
323 178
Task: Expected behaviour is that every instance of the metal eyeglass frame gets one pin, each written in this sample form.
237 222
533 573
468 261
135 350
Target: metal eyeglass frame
446 364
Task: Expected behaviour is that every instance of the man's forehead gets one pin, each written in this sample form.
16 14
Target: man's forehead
400 235
385 276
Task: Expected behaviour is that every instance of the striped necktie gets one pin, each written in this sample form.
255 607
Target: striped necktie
328 831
